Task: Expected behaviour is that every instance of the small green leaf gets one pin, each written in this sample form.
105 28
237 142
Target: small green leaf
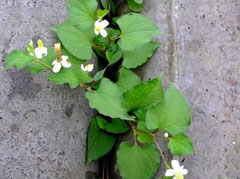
113 33
114 53
172 114
144 138
141 114
30 48
82 13
138 1
99 142
135 162
180 145
135 58
136 7
18 58
73 76
127 79
101 122
113 6
107 100
144 95
117 126
78 43
101 41
102 13
99 75
136 30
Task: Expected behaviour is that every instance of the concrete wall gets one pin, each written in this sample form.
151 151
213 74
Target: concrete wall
43 126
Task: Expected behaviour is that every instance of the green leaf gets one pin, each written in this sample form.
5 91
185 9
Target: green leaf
107 100
82 13
101 122
102 13
117 126
144 95
78 43
136 7
113 33
101 41
180 145
136 30
138 1
73 76
127 79
135 58
17 58
74 60
114 53
144 138
99 75
99 142
113 6
172 114
141 114
135 162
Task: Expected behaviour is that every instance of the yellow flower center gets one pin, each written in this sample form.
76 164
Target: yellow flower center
40 43
98 29
88 67
179 176
58 51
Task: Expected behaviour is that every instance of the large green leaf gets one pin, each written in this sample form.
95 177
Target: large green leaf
73 76
107 100
137 57
144 95
117 126
135 162
172 114
136 30
78 43
99 142
18 58
82 13
127 79
180 144
136 7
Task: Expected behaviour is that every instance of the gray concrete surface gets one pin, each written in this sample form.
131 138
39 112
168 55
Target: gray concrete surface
43 126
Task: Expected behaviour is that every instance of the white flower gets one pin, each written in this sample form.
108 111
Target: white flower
88 67
177 172
99 27
40 51
166 135
57 64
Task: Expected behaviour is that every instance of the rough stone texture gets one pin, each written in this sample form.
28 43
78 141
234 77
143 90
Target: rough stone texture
208 37
42 126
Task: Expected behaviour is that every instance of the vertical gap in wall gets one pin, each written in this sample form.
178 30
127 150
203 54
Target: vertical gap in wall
173 61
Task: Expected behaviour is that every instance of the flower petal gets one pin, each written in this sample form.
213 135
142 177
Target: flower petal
175 164
103 32
96 32
170 173
64 57
103 24
66 64
53 63
38 53
184 171
44 51
89 67
57 67
96 24
83 68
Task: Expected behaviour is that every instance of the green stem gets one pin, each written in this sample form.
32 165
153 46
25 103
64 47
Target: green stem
41 63
161 153
97 47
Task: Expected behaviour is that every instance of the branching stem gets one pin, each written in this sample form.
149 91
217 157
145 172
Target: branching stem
161 153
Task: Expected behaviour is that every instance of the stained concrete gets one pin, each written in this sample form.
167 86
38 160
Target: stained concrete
43 126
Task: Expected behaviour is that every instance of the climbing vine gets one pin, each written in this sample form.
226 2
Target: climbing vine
124 102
